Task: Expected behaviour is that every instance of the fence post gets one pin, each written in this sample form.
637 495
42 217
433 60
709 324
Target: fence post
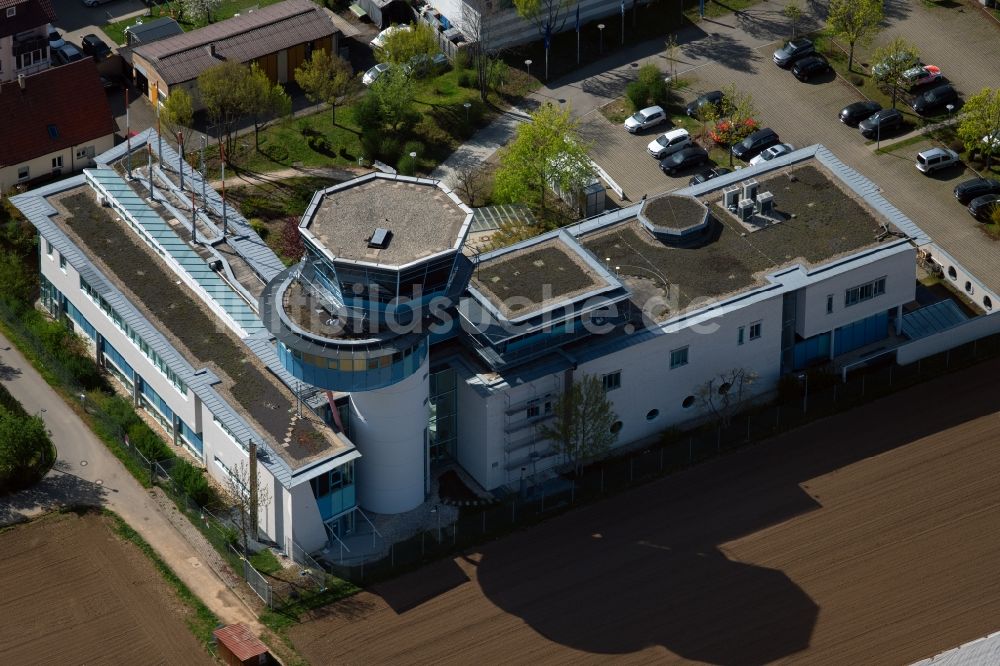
947 359
422 535
484 521
690 448
718 439
748 427
392 556
835 393
661 460
890 376
572 492
513 511
602 479
863 375
777 417
631 469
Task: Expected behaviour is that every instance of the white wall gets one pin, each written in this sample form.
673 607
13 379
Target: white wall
972 329
303 522
963 280
900 271
471 408
388 427
42 165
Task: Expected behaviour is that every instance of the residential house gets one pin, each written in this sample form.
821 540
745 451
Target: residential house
24 37
278 38
54 122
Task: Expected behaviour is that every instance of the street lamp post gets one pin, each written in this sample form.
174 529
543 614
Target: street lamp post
805 393
527 63
468 105
600 31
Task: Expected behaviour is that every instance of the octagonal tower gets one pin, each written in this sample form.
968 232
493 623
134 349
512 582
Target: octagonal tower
382 262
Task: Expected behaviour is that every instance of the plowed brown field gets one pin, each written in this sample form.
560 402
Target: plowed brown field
872 537
74 593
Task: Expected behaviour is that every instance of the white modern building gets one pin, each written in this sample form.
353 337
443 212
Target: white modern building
387 348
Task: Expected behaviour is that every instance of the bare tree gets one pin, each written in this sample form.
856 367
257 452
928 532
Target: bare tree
672 49
247 496
726 393
479 17
469 183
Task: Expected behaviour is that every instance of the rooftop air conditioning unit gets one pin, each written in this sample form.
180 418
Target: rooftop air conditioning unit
750 188
745 209
731 195
215 264
765 203
104 202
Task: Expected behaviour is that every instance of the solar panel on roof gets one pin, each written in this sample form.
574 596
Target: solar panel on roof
380 238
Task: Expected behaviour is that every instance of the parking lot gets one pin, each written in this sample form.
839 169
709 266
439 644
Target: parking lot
806 113
76 19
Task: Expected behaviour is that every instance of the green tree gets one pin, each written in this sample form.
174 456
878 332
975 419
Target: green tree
736 118
583 426
393 93
979 123
265 100
891 62
793 12
223 90
17 283
548 17
548 150
402 45
24 448
325 78
177 110
855 21
200 10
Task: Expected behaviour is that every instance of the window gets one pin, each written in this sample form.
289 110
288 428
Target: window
611 381
62 263
532 410
741 334
755 330
829 304
22 173
48 249
652 414
57 162
53 131
616 427
678 357
688 402
864 292
11 12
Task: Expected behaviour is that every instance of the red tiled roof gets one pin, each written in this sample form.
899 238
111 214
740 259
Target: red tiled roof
240 641
68 102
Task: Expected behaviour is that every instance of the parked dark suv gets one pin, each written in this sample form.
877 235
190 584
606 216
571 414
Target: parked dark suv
881 123
982 207
852 114
970 189
94 46
751 146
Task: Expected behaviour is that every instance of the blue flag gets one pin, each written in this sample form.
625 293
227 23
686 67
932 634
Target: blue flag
578 17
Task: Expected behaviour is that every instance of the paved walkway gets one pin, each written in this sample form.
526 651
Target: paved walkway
87 473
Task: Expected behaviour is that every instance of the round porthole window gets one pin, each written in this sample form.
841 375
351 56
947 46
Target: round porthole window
951 273
652 414
969 288
688 402
616 427
987 303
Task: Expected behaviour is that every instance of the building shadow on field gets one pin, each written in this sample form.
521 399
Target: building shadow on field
410 590
649 566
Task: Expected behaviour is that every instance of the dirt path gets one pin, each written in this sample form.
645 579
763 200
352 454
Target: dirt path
87 473
869 537
241 178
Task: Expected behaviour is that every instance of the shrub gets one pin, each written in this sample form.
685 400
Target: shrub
637 94
389 149
291 240
462 60
147 442
957 145
407 165
258 226
857 80
192 481
319 144
467 80
367 113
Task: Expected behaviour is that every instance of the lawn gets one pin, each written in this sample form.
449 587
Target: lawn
443 125
226 9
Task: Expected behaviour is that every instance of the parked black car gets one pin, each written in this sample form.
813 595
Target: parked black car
714 98
934 100
95 47
982 207
751 146
810 66
852 114
706 176
792 51
968 190
881 123
684 158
